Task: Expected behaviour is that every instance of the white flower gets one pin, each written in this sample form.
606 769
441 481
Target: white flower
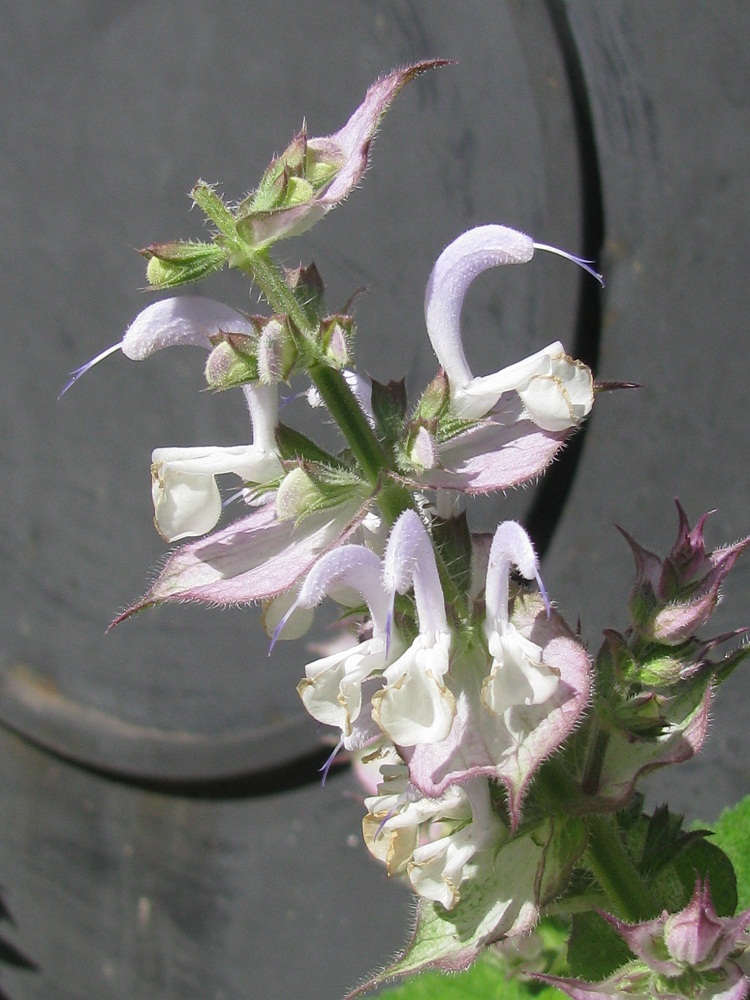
556 391
332 689
186 496
518 676
416 706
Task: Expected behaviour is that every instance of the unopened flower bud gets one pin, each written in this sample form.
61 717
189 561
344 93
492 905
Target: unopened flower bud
177 263
435 398
233 361
673 598
336 333
305 491
422 450
276 351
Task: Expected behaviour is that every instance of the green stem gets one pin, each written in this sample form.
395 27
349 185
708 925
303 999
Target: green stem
330 383
594 761
265 273
345 410
615 871
606 855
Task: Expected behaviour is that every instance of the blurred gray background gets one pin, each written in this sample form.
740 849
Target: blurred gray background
164 833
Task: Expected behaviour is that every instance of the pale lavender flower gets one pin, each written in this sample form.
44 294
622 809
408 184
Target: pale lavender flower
556 391
515 710
525 412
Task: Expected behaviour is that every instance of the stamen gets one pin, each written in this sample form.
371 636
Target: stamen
388 815
240 494
75 375
585 264
280 626
543 592
327 766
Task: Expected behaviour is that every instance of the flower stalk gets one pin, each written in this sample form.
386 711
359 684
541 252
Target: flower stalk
501 760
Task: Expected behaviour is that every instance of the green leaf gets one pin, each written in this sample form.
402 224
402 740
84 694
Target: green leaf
487 979
703 860
731 834
595 949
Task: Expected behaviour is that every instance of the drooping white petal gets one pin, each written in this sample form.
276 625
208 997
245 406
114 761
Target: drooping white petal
187 502
184 320
332 688
518 675
416 706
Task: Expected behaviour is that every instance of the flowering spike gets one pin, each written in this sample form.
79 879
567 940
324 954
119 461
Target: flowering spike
184 490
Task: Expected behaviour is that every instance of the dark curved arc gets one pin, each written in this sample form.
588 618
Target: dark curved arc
99 741
552 492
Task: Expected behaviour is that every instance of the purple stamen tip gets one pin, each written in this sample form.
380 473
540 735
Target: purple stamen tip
332 756
280 626
75 375
585 264
388 628
235 496
388 816
543 592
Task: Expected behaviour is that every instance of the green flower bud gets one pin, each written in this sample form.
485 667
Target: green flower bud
307 490
233 361
336 333
177 263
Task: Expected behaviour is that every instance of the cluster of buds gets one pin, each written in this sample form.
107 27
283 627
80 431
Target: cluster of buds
692 953
458 680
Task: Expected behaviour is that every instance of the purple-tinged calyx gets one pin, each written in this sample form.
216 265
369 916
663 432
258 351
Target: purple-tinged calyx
314 175
673 598
693 949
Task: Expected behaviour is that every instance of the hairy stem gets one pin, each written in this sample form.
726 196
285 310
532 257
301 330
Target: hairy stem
615 871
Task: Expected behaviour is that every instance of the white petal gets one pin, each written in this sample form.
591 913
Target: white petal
457 266
560 399
186 498
189 319
184 505
476 397
518 675
415 706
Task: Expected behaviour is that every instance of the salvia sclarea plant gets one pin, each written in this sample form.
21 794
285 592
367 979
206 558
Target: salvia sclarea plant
507 758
